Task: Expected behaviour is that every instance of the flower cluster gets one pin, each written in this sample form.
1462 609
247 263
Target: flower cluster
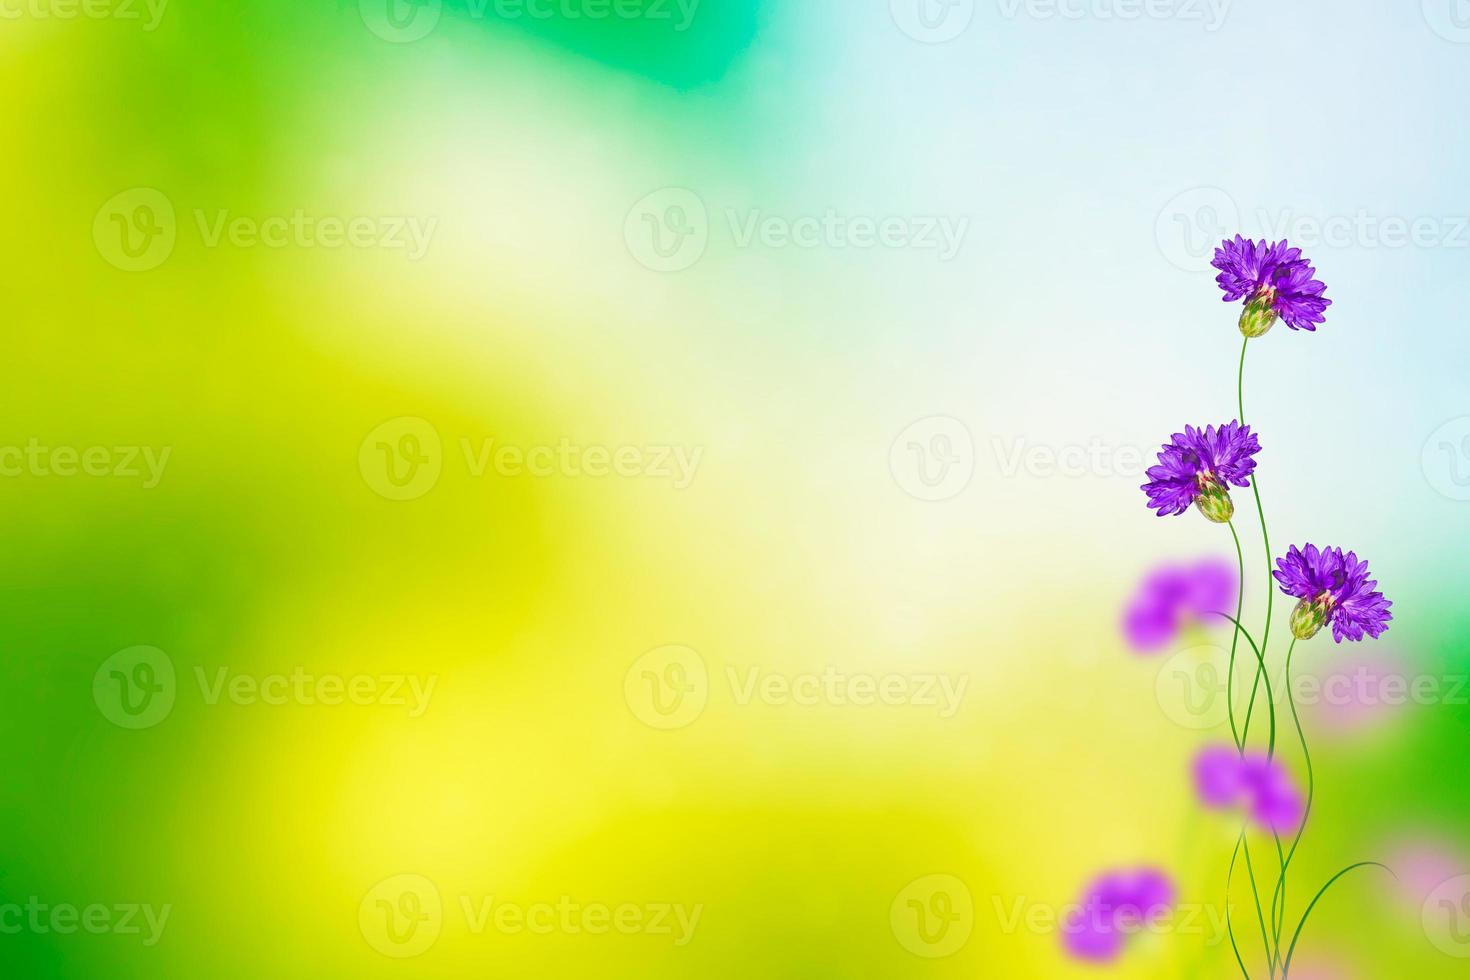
1197 468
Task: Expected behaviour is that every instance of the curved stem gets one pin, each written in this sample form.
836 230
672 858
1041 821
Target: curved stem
1298 935
1266 645
1270 582
1240 380
1281 861
1260 676
1229 924
1260 917
1278 913
1265 537
1235 948
1235 639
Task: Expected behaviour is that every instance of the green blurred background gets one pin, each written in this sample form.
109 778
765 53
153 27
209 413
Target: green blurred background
594 453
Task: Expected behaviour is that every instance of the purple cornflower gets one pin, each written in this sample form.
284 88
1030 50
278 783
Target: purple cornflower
1333 588
1274 280
1197 465
1172 597
1115 906
1225 780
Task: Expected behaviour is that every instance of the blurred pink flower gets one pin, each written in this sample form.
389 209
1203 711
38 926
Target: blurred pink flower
1421 865
1361 692
1319 969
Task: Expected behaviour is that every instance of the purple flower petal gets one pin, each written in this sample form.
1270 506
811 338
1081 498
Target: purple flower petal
1339 581
1249 268
1226 455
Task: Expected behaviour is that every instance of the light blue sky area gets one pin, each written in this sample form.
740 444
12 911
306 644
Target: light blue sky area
1097 159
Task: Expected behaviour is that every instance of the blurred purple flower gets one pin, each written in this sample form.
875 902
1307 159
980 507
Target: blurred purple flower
1226 780
1114 906
1172 597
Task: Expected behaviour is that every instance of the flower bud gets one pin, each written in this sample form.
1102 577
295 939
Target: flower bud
1309 616
1260 313
1213 501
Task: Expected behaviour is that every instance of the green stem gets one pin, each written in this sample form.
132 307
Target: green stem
1298 935
1265 537
1270 583
1278 911
1235 948
1260 917
1240 380
1260 673
1235 640
1229 923
1281 860
1273 954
